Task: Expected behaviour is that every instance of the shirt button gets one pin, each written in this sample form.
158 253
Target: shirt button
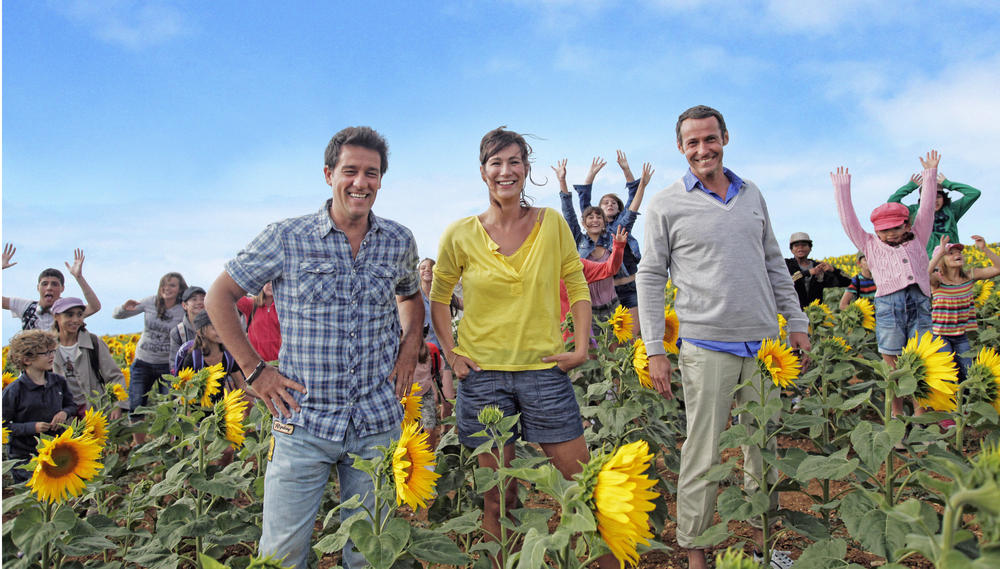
906 260
909 277
352 370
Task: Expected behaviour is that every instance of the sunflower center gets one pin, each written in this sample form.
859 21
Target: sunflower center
66 459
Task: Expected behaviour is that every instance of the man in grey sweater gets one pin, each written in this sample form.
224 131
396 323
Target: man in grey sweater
710 232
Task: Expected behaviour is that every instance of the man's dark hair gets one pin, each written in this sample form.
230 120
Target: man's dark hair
700 112
363 136
52 273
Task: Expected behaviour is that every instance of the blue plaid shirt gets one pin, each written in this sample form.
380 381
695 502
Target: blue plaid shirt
340 328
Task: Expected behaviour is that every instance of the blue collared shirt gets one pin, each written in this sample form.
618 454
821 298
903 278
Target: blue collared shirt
339 323
742 349
735 183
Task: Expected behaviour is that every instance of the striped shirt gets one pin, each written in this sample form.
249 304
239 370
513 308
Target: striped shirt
953 310
862 286
339 323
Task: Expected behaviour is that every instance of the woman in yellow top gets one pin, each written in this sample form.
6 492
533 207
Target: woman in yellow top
509 352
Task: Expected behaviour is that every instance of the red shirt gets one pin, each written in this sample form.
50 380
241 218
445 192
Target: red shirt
264 331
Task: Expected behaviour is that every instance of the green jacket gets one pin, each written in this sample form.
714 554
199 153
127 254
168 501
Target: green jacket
945 219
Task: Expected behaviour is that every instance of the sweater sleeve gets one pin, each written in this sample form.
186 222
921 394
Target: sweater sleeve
594 271
848 219
119 313
652 275
785 297
969 197
923 222
902 192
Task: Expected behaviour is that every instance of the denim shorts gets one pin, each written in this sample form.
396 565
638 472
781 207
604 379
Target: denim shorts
899 316
543 397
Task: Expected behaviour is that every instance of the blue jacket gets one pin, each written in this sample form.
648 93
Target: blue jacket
26 403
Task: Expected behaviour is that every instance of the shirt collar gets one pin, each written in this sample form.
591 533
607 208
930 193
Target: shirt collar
325 225
735 183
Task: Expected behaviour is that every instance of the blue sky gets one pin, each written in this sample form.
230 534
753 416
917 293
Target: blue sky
163 135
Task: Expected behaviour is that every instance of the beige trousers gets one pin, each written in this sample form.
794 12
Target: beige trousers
708 378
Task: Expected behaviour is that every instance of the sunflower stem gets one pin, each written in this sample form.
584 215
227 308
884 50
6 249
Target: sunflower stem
45 550
197 493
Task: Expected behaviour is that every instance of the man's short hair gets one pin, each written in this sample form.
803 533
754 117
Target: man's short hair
29 344
363 136
700 112
52 273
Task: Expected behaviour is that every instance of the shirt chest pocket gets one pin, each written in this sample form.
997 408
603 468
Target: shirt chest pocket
381 287
322 281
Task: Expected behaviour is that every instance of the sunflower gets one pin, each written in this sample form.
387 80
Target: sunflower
621 501
782 327
621 323
671 329
8 378
63 466
936 372
640 361
127 372
777 361
411 405
819 313
985 290
184 377
6 435
413 467
230 412
119 392
95 425
841 343
867 310
213 384
985 373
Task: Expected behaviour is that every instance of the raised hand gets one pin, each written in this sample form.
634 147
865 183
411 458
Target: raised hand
941 179
944 241
979 242
560 170
595 166
917 179
621 236
8 254
647 174
931 161
77 269
842 175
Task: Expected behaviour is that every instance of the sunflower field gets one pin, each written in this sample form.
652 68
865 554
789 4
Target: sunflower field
855 486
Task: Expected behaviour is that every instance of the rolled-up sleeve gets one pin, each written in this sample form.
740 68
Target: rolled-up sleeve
259 262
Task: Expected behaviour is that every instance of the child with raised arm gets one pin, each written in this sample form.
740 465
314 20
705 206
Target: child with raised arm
953 310
862 284
897 257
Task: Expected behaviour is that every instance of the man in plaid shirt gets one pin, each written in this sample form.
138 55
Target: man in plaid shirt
348 300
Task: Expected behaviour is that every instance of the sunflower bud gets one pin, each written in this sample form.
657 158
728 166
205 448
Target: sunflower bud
490 415
734 559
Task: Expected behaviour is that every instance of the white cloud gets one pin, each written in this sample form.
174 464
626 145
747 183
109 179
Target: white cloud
129 23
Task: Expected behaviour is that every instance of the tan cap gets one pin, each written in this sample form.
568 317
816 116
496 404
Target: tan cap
800 236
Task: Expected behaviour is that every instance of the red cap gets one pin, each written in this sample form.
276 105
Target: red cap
889 215
949 248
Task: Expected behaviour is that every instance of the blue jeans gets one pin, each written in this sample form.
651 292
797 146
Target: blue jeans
899 316
296 477
959 345
143 376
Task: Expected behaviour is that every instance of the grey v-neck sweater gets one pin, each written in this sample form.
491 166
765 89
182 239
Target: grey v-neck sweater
727 266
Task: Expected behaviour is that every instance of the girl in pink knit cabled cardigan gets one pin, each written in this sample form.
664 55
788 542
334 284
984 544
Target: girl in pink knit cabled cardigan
897 257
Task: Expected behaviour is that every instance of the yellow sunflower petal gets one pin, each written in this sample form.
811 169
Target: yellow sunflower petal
63 466
622 501
621 324
779 362
233 408
413 467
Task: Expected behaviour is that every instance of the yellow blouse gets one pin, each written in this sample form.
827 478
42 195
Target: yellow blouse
511 317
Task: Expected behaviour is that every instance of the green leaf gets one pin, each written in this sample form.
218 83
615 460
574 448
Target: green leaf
855 401
381 551
809 526
83 540
537 518
466 523
435 547
209 563
734 437
713 535
532 555
720 472
222 489
733 505
833 467
335 541
31 533
824 554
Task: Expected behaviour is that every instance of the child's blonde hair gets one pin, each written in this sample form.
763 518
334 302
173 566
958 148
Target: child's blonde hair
29 344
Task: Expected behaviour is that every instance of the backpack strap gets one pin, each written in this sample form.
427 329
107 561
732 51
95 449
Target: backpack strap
94 363
181 354
29 317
